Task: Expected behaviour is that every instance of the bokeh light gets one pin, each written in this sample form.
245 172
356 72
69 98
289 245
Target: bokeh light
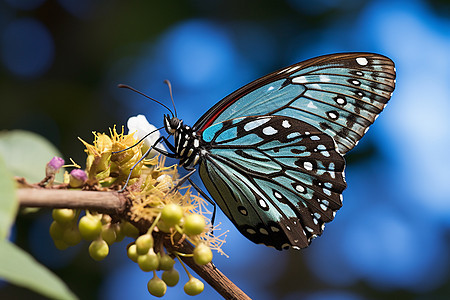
27 48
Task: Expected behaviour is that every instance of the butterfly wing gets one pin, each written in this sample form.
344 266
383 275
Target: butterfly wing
341 94
278 179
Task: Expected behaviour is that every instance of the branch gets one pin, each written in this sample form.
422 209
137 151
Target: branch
102 202
115 203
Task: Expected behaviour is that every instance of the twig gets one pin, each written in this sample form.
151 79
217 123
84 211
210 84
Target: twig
103 202
114 202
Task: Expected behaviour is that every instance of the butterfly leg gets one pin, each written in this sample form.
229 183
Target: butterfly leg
207 198
201 192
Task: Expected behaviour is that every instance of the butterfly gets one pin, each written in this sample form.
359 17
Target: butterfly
271 154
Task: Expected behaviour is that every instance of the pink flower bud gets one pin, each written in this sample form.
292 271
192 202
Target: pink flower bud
77 178
53 166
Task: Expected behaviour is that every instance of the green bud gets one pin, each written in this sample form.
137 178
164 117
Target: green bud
129 230
166 262
202 254
171 277
64 216
157 287
193 287
120 235
144 243
60 244
71 236
108 234
171 214
163 226
148 262
56 231
132 253
90 227
194 224
98 249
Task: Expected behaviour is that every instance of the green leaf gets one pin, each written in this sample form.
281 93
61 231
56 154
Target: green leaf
27 153
20 268
8 201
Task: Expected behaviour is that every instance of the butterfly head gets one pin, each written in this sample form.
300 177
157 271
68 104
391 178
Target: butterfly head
172 124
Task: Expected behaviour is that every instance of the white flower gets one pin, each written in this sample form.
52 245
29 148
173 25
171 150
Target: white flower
141 127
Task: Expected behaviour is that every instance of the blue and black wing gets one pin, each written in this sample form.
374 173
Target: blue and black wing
340 94
278 179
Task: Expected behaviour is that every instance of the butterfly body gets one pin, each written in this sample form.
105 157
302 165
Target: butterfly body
271 153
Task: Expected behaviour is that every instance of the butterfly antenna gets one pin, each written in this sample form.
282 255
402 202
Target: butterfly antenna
120 85
137 143
171 96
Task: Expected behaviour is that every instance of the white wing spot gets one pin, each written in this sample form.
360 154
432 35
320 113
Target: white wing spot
362 61
359 73
262 203
311 105
308 166
300 188
327 191
288 228
270 88
356 82
299 79
317 215
340 101
196 143
269 130
309 229
332 115
286 124
277 195
256 123
323 207
314 138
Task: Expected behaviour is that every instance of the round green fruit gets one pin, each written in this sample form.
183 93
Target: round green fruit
63 215
90 227
148 262
202 254
194 224
171 277
98 249
171 214
193 287
157 287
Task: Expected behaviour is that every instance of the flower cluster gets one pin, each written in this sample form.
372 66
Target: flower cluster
169 214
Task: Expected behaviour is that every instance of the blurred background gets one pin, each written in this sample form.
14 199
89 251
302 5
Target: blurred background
61 61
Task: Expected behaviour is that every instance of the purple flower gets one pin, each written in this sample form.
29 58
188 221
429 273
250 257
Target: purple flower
77 178
53 166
